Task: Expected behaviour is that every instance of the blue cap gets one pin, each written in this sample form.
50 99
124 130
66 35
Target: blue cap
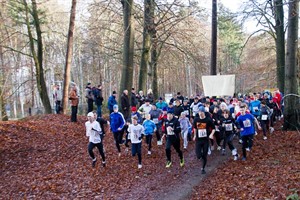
115 106
164 108
201 109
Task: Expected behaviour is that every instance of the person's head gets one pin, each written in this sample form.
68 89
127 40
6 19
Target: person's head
116 108
183 115
95 114
223 106
153 107
226 113
150 91
266 96
114 93
177 102
147 102
178 94
133 109
207 104
160 99
57 87
202 112
170 104
100 87
132 90
169 115
164 109
216 109
74 88
263 103
125 92
243 109
215 102
141 93
90 116
88 85
134 120
148 116
196 99
185 102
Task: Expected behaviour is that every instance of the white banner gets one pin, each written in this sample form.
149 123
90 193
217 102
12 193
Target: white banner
219 85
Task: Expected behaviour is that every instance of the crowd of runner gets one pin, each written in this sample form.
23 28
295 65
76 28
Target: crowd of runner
212 122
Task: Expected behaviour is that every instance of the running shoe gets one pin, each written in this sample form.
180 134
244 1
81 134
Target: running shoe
181 162
203 171
223 152
271 129
103 163
168 165
265 137
149 152
219 148
139 166
235 157
94 163
241 141
247 149
244 159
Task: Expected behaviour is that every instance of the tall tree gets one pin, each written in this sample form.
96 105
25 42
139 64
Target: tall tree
147 36
291 101
214 22
280 42
67 74
37 54
128 49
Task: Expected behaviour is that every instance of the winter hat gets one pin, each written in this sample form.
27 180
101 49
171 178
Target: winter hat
90 114
160 98
133 109
201 109
115 106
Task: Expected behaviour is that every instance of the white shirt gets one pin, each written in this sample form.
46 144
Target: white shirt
135 132
58 95
94 135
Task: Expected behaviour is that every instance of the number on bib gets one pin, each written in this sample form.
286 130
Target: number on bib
247 123
264 117
202 133
228 127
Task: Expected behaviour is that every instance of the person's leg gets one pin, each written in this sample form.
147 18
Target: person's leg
198 149
100 148
250 141
264 127
120 135
90 150
176 145
205 147
116 138
245 145
168 149
139 152
157 132
99 113
185 139
133 149
150 143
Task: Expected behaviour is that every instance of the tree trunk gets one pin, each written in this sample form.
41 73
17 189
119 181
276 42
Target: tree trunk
148 4
154 59
291 103
213 59
67 74
280 43
4 116
38 56
128 51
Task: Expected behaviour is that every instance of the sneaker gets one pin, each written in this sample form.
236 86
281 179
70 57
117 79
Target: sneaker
271 129
219 148
247 149
139 166
119 154
255 132
212 148
181 162
103 163
223 152
209 151
185 148
235 157
149 152
241 141
265 137
168 165
94 163
203 171
159 143
244 159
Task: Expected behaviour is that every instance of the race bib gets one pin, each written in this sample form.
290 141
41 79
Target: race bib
255 109
97 140
202 133
228 127
247 123
170 132
155 120
264 117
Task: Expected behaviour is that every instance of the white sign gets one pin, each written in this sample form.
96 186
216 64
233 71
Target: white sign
219 85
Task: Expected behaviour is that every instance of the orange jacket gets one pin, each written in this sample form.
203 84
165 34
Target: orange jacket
74 98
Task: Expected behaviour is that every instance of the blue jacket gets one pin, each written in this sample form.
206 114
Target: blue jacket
139 116
111 102
254 107
149 126
247 123
116 121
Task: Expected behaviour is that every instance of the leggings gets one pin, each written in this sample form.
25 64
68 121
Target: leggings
174 141
219 137
228 140
149 141
247 143
201 150
265 126
118 139
91 146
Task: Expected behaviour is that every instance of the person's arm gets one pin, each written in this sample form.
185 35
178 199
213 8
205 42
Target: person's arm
257 123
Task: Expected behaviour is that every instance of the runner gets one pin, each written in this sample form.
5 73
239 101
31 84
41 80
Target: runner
136 132
155 113
184 124
245 124
93 131
150 128
202 126
228 126
265 114
173 138
117 122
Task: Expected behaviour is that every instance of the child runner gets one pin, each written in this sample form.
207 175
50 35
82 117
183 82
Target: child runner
184 124
265 114
228 125
155 113
136 132
93 131
102 122
172 132
150 128
245 123
117 122
202 125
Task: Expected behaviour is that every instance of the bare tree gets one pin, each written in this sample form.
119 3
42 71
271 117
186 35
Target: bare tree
67 73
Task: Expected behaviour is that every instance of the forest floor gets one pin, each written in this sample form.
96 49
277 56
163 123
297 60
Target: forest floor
45 157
